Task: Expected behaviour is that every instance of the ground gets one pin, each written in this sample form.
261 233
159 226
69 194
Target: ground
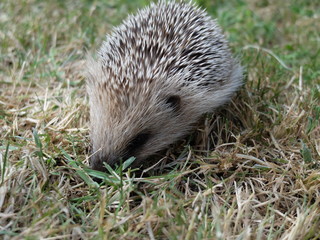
249 171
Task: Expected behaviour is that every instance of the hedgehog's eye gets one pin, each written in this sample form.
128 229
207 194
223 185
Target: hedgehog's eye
174 102
137 142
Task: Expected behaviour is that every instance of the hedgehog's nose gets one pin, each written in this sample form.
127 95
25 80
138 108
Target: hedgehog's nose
97 162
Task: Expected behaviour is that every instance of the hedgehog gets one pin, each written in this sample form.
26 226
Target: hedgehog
153 78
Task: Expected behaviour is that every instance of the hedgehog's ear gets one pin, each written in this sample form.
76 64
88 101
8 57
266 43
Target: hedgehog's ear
173 102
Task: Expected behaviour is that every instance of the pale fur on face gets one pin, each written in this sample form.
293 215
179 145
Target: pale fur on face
166 50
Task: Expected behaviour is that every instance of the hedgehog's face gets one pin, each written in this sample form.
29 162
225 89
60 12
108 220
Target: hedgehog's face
142 117
140 126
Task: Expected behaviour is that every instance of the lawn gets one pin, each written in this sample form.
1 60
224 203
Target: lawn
251 170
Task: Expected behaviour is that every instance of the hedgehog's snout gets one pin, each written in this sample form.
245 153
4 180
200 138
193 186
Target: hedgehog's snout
133 147
96 163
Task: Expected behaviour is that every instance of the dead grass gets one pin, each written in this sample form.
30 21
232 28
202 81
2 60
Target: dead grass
250 171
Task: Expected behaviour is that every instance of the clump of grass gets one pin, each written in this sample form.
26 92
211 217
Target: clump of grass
249 171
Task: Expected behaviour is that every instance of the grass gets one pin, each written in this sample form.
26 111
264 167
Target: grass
249 171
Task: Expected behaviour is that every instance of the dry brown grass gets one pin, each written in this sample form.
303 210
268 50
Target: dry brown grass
250 171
